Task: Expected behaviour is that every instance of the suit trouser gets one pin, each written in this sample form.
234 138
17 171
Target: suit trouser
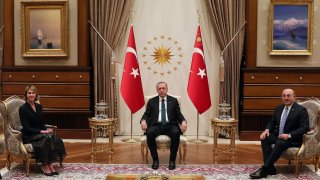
271 155
170 130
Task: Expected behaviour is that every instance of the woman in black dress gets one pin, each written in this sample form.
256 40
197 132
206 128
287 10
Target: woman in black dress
48 147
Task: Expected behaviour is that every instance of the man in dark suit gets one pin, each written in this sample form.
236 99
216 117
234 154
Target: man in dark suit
163 116
286 128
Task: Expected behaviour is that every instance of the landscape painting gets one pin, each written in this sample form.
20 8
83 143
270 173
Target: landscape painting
291 26
44 28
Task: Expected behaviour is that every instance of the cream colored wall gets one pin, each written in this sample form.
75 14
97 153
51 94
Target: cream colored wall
71 60
266 60
177 19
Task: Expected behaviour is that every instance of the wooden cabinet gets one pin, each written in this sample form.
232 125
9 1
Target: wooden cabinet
65 95
47 76
59 90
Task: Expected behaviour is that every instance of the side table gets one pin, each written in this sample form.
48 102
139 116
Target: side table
109 124
216 124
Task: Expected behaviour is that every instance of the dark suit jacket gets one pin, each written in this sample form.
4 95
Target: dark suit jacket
151 114
297 122
31 121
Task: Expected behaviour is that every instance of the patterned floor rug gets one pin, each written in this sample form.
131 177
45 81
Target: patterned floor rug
99 171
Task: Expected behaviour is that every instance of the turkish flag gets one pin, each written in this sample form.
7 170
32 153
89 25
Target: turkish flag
131 87
198 87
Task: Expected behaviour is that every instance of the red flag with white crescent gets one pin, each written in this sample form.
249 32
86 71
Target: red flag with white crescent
198 87
131 86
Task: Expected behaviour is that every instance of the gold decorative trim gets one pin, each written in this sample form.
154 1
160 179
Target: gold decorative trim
39 42
291 32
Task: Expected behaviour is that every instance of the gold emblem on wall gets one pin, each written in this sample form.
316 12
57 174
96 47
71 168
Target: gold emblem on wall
162 55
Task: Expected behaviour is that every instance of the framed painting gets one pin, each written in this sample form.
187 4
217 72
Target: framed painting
44 28
291 27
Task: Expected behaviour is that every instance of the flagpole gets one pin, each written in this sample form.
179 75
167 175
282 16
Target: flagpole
105 42
197 140
130 140
131 86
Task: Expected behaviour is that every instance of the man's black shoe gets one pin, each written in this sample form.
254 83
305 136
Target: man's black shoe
155 164
260 173
172 165
272 171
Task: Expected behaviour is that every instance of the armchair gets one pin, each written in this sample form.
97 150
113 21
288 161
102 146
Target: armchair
311 140
9 110
163 141
2 144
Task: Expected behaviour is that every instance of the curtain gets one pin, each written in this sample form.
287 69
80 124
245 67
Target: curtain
110 18
227 17
1 32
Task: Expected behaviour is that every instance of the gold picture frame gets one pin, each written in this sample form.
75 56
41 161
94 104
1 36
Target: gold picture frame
291 32
44 28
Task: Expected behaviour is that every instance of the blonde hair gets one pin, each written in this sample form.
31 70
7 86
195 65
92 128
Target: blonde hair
32 88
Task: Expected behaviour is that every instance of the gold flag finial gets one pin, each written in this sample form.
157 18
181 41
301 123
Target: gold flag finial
199 39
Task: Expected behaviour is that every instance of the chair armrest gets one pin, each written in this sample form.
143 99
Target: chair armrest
15 132
12 138
51 126
308 136
310 132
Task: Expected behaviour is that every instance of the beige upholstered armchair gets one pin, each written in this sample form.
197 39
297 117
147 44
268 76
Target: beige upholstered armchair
9 110
163 141
2 144
310 148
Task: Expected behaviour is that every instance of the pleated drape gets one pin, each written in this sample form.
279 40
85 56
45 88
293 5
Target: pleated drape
110 18
1 33
227 17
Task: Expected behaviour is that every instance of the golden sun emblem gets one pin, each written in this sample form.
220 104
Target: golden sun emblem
162 55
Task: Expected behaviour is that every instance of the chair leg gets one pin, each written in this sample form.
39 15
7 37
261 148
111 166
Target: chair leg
60 162
8 161
146 147
184 153
315 162
27 162
298 163
180 154
142 153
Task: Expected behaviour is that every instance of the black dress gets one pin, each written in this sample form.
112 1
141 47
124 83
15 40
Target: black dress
48 147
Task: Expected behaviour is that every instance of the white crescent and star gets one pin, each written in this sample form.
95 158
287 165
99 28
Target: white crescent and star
131 50
199 51
201 72
134 71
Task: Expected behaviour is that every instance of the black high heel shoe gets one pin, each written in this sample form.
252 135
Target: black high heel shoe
47 174
55 173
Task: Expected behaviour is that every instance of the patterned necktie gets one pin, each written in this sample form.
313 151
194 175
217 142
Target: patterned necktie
163 113
283 120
